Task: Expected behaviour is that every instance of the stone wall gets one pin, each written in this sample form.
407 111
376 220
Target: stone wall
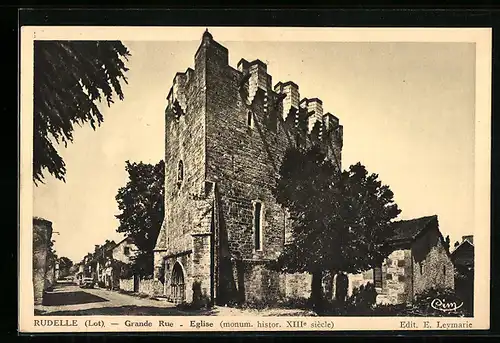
295 286
396 278
433 267
42 233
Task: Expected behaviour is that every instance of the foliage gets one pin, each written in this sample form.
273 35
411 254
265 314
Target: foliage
363 298
69 78
340 221
125 270
141 202
103 252
363 303
421 307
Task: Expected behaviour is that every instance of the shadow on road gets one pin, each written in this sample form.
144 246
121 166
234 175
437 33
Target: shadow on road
131 310
70 298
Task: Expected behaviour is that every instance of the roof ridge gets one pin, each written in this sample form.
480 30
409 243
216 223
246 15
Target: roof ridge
415 219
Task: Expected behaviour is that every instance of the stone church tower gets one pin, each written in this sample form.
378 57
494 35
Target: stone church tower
226 131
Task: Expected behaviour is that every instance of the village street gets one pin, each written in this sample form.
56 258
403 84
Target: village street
69 299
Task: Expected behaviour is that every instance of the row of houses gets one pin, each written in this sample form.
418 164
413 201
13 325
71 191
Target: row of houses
421 260
106 267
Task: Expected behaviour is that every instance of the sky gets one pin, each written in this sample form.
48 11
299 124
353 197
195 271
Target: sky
407 111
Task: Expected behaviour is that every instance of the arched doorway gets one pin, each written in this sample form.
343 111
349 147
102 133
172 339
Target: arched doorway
178 288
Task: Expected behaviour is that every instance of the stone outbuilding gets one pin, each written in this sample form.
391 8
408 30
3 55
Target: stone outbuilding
420 260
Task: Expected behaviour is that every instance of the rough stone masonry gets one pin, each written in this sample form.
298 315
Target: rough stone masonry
226 131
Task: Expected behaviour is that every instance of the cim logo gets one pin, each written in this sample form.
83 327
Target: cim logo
446 303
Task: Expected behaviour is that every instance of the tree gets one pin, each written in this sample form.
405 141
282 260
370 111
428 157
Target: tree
141 203
69 78
340 221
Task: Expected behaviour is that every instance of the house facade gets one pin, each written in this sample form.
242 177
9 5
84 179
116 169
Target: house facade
420 260
124 250
42 234
226 132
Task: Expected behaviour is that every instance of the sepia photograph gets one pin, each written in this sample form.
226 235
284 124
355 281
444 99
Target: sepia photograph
254 173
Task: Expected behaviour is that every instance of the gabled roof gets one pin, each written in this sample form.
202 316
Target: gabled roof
127 238
464 243
408 230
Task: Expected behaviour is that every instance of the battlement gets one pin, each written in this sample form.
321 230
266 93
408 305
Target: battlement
254 77
176 98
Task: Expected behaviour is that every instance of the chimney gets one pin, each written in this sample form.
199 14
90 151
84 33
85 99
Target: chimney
469 238
291 90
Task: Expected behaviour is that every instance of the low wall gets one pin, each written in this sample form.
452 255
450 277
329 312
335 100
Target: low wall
127 285
146 286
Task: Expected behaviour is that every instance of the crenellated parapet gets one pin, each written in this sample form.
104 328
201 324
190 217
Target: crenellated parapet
283 102
177 98
307 114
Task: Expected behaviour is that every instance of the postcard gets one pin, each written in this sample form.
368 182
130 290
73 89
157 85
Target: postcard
194 179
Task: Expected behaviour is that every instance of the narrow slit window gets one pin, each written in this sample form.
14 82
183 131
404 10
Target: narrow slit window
180 173
258 225
444 270
287 228
249 119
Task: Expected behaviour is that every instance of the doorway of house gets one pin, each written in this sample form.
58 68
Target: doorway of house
178 289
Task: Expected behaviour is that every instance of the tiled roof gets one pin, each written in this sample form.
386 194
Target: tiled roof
410 229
